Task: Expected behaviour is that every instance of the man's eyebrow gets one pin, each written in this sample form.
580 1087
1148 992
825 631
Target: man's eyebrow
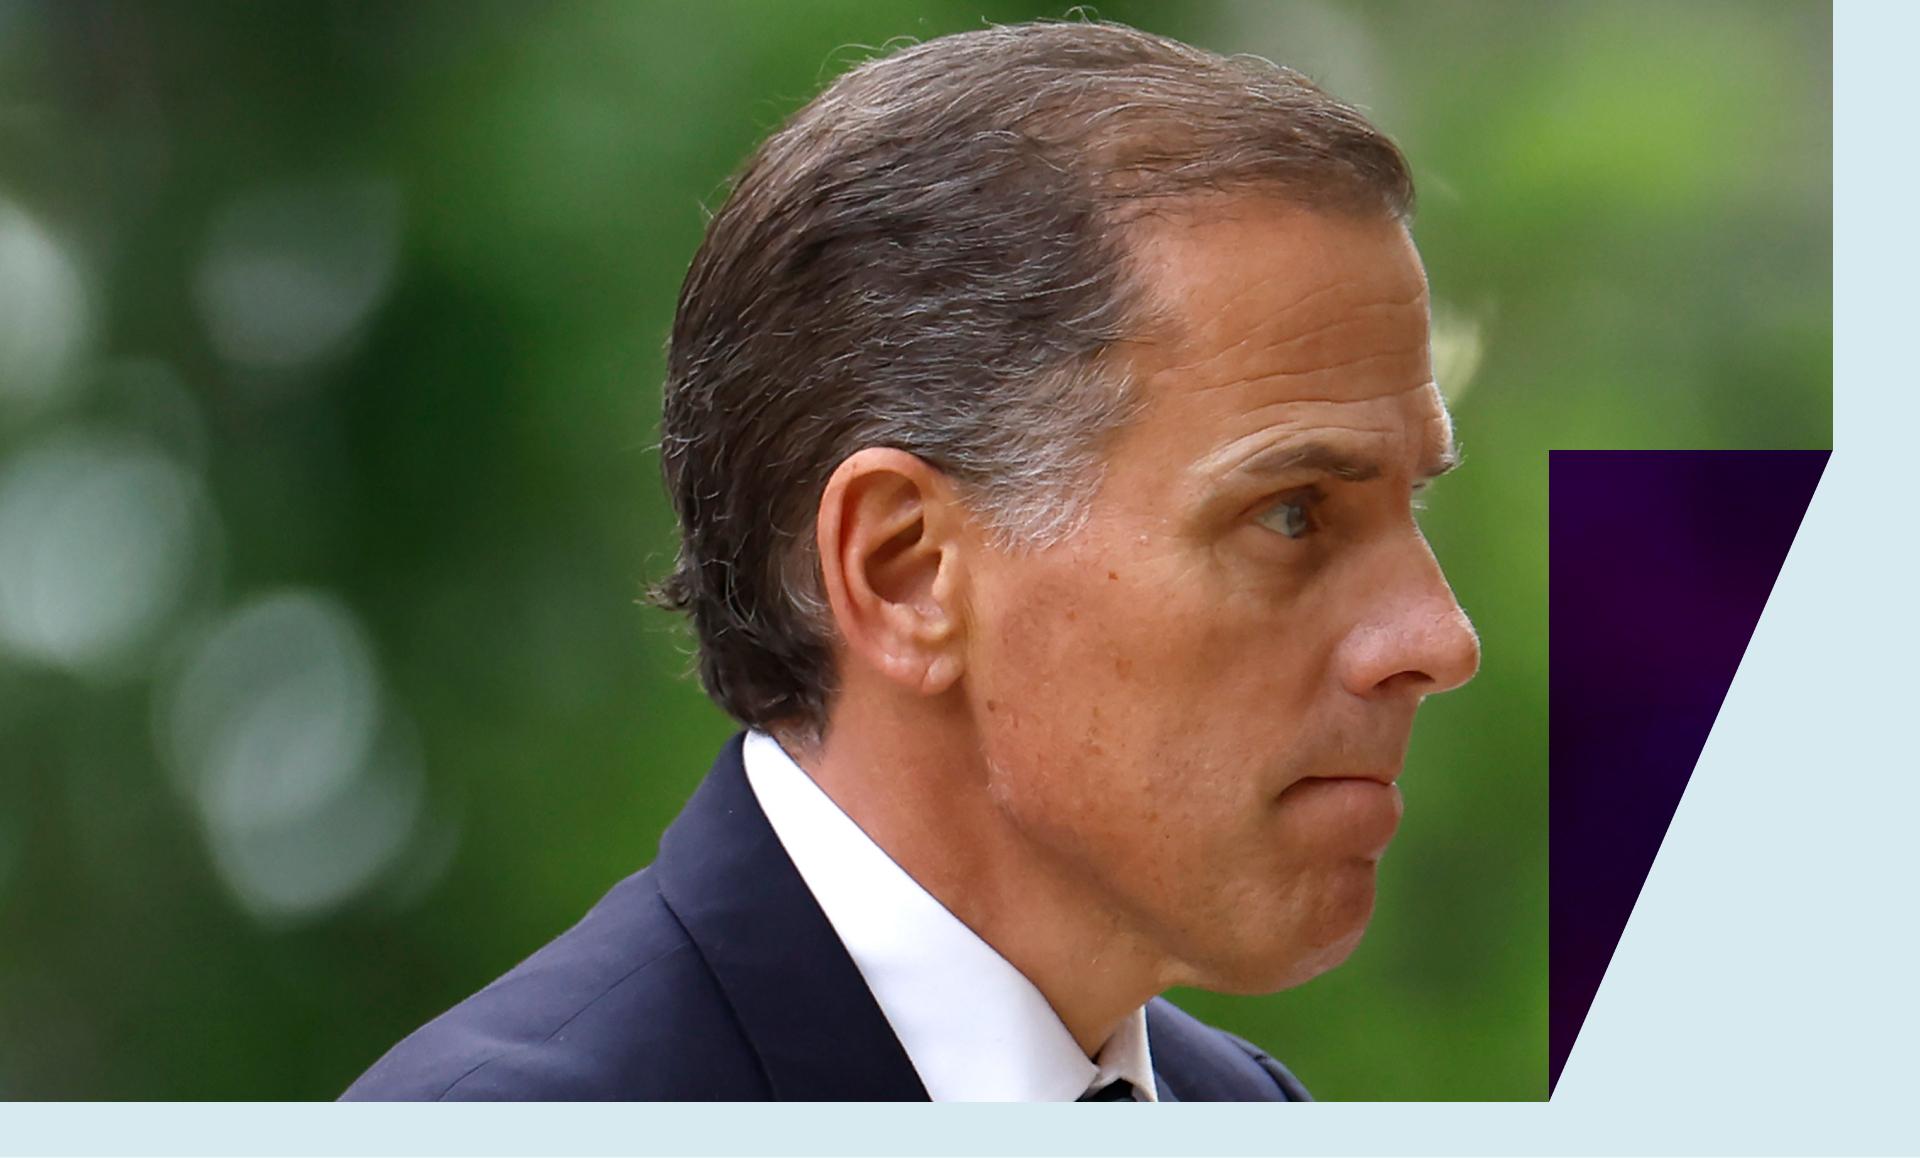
1325 458
1447 462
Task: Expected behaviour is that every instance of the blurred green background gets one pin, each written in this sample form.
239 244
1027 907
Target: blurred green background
330 349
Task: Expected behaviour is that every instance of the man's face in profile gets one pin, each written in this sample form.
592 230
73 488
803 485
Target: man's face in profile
1198 703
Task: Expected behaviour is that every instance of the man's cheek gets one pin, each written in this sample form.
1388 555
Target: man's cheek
1050 621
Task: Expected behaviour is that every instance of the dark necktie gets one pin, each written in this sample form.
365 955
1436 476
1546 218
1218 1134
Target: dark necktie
1119 1090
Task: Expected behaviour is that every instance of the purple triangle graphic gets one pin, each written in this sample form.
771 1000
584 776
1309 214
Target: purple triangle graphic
1659 565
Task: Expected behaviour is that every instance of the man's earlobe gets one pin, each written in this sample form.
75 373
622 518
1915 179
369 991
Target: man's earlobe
890 564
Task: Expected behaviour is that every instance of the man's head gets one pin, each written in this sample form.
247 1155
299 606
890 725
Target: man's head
1059 392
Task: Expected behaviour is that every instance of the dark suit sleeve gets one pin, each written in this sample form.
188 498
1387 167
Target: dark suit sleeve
1281 1075
1195 1062
620 1007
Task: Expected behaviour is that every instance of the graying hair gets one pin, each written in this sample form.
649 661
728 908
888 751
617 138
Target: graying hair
931 256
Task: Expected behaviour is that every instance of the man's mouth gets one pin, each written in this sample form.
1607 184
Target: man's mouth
1377 776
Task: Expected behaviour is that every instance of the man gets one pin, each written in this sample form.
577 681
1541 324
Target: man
1045 410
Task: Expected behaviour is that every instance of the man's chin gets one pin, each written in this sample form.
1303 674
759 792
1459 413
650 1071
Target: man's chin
1308 950
1256 980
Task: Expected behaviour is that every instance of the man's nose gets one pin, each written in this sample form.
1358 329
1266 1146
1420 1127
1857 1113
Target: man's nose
1418 641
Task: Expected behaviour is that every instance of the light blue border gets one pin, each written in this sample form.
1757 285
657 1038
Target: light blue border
1763 999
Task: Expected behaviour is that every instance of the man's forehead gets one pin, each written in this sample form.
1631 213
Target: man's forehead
1407 435
1214 252
1251 290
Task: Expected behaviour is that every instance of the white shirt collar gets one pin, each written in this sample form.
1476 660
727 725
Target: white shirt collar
974 1027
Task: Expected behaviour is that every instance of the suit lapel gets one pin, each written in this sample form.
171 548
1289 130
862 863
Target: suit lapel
799 998
1161 1088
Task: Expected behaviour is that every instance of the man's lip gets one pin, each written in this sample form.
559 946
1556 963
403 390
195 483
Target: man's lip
1383 776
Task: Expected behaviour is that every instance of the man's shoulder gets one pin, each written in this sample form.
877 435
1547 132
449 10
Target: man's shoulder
620 1006
1204 1064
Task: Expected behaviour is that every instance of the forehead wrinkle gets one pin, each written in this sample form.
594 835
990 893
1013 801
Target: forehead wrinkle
1185 304
1348 315
1244 289
1256 331
1286 432
1191 380
1340 384
1255 343
1303 299
1165 254
1214 287
1281 413
1349 363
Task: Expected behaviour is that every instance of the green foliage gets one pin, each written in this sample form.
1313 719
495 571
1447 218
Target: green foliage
366 304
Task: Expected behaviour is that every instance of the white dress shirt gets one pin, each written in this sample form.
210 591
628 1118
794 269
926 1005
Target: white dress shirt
974 1027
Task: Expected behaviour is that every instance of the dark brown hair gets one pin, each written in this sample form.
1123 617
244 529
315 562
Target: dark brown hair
931 256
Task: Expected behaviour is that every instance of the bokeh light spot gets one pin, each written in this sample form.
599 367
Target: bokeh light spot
98 538
307 785
43 313
1459 345
289 275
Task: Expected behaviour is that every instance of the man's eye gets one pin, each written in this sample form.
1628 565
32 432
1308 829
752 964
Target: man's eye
1291 516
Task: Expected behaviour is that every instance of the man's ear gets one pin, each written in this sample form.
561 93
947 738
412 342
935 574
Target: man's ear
890 538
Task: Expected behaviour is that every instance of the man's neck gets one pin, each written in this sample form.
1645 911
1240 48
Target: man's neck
920 793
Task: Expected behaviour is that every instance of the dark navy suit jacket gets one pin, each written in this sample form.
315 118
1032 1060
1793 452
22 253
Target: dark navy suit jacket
713 974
